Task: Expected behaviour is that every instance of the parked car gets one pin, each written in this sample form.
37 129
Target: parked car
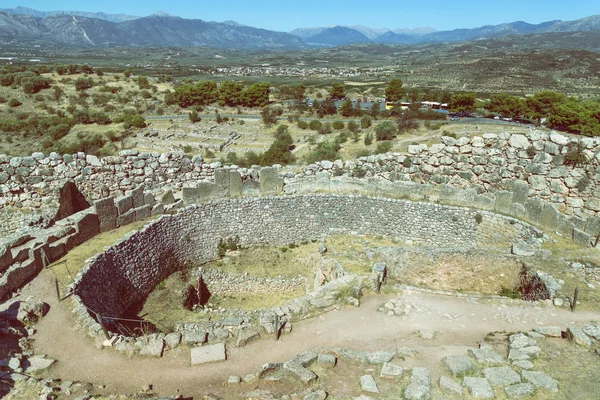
454 119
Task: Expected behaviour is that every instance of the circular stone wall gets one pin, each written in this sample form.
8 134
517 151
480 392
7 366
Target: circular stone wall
128 271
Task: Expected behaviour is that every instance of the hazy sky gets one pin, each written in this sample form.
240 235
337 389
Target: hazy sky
285 15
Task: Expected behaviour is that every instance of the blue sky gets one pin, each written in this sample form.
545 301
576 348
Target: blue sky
284 15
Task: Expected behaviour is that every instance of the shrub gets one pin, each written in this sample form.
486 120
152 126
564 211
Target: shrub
14 103
385 131
449 134
368 139
366 121
407 163
303 125
478 218
337 125
325 129
575 155
531 152
315 125
83 83
228 244
353 127
383 147
583 183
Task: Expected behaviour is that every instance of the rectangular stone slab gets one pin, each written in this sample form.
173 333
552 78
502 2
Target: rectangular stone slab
208 354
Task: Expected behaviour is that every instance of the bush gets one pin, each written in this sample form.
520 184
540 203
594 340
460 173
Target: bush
575 155
407 163
194 117
385 131
383 147
324 151
366 121
583 183
303 125
83 84
281 129
227 244
449 134
337 125
531 152
14 103
325 129
315 125
353 127
368 139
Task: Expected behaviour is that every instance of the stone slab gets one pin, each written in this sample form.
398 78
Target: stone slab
208 354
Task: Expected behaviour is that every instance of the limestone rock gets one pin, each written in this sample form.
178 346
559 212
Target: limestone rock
316 395
419 386
541 380
458 364
576 335
326 360
245 336
487 355
519 390
368 384
553 331
154 348
478 387
450 385
501 376
37 363
520 340
208 354
390 370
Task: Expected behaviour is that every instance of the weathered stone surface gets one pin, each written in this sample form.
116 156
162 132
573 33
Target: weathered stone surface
124 204
37 363
389 370
368 384
517 355
521 340
154 348
519 390
172 340
190 195
501 376
541 380
458 364
246 336
326 360
450 385
107 213
592 331
553 331
236 187
478 387
137 196
298 370
270 181
208 354
419 385
576 335
521 248
487 355
523 364
316 395
376 357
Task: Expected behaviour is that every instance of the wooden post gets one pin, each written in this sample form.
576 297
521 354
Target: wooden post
276 327
101 322
575 299
57 288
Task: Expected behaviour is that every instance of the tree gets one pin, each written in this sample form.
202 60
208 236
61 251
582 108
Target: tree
324 151
413 95
353 126
346 109
394 91
407 121
328 107
280 151
385 131
506 105
256 95
83 84
315 125
337 91
542 104
230 93
269 116
463 103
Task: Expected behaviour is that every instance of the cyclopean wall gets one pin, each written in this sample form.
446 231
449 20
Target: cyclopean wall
129 270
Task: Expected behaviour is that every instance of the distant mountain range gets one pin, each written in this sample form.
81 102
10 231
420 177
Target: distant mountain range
44 14
338 35
111 30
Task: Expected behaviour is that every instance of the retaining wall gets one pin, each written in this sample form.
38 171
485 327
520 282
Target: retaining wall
128 271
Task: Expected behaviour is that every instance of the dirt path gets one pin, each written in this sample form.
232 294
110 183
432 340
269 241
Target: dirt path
460 323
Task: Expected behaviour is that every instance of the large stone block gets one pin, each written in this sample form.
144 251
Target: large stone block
107 213
535 210
564 226
190 195
124 204
270 181
504 200
207 191
549 218
520 191
222 182
582 238
126 218
142 213
251 187
592 226
17 276
208 354
137 195
236 188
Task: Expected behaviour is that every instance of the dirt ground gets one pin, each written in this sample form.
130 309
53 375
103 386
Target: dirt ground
459 323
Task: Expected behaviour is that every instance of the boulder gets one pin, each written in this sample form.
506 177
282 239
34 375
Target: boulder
540 379
519 390
71 201
450 385
419 385
458 364
478 387
501 376
208 354
368 384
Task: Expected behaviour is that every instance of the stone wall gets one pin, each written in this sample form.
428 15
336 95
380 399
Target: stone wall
533 164
128 271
